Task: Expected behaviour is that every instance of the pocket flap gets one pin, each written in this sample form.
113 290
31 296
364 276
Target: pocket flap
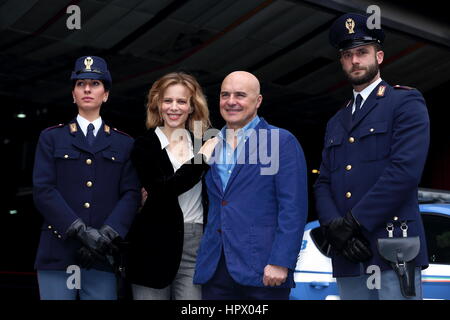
66 154
374 128
113 156
333 140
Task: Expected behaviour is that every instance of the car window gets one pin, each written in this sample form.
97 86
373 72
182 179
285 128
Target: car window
437 230
319 240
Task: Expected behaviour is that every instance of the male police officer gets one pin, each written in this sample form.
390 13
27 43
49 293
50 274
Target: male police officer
375 150
87 191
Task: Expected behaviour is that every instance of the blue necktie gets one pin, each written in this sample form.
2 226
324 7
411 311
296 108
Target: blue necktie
357 106
90 134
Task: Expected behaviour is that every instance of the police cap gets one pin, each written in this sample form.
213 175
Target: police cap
91 67
351 30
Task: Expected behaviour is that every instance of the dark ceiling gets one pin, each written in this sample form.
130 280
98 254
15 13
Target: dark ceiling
284 43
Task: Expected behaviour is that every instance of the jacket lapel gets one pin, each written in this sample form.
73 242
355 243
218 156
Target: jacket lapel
79 140
102 140
371 102
214 174
244 156
346 116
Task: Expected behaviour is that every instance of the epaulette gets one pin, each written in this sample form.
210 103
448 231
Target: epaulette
53 127
124 133
403 87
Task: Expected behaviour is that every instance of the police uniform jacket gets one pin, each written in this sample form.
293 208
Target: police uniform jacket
157 234
372 166
72 180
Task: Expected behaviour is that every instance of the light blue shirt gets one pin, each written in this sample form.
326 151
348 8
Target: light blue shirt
228 157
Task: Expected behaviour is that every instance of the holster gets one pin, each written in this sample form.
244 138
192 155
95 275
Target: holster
400 253
119 265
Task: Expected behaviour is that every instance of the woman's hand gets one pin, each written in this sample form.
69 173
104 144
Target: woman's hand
144 196
208 147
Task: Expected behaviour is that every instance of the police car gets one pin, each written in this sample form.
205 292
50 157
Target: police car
313 273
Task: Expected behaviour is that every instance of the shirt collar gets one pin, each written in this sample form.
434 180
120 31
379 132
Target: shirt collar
163 139
243 131
83 123
367 90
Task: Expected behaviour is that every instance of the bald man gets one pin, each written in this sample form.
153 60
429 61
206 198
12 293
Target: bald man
257 202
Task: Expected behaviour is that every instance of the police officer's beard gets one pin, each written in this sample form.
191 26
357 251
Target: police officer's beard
371 72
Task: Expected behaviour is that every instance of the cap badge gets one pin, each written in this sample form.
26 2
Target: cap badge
88 63
350 25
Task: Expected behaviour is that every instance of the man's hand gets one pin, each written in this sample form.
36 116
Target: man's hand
274 275
341 230
357 250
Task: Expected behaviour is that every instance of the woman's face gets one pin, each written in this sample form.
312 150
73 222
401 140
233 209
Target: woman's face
175 106
89 94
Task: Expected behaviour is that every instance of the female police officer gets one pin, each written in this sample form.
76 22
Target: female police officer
87 191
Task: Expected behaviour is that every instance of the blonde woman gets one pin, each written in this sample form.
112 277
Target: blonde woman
166 233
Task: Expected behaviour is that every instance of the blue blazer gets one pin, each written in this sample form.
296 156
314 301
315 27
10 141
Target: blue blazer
373 167
258 219
74 180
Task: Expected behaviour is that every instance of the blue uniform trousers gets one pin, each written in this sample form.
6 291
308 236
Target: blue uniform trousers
94 285
355 288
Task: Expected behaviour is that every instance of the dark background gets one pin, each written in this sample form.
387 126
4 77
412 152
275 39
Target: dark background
284 43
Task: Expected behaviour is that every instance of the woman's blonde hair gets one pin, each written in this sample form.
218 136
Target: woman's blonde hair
197 101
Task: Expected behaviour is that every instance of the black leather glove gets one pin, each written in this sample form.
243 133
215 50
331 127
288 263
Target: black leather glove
111 236
340 230
86 258
89 237
357 250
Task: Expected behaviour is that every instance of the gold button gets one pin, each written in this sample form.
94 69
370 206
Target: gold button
89 184
88 161
395 218
372 130
351 139
87 205
348 195
55 232
59 236
113 158
50 227
66 156
348 167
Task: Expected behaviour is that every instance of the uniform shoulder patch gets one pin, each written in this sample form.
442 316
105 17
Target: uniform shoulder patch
397 86
121 132
53 127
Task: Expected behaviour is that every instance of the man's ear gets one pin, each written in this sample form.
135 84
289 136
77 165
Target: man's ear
380 56
259 101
